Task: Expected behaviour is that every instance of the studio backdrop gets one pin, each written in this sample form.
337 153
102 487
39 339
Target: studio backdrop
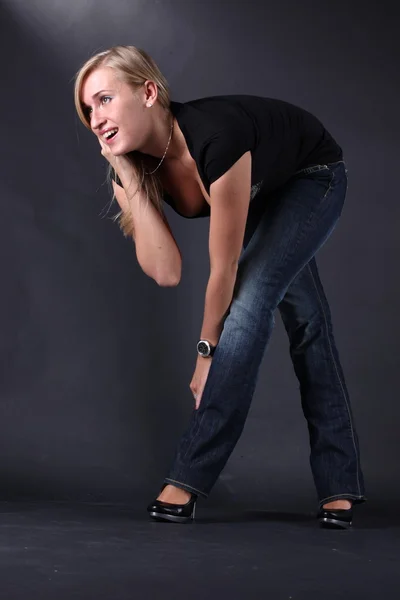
95 358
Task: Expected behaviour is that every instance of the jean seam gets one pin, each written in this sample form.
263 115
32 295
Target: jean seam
187 485
343 496
339 379
312 169
316 168
330 185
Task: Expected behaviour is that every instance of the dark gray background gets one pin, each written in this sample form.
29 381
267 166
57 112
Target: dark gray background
96 359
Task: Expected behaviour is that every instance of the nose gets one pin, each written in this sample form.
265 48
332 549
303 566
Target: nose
97 121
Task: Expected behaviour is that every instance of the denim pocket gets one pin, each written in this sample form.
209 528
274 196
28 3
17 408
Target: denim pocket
322 175
313 169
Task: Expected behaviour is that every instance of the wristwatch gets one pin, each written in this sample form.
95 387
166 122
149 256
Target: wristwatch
205 349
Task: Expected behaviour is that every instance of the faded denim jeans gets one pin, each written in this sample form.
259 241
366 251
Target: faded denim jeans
277 269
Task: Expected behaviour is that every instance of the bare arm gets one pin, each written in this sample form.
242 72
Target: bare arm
156 249
230 198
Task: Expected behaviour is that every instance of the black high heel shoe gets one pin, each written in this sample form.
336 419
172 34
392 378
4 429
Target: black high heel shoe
336 519
177 513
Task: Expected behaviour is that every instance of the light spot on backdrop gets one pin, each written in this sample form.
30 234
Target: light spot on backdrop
76 29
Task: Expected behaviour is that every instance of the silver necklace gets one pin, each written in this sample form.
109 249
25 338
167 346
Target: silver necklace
166 150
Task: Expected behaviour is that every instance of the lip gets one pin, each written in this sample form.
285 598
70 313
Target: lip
110 141
103 131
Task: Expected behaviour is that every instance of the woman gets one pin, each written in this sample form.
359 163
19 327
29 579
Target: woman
273 182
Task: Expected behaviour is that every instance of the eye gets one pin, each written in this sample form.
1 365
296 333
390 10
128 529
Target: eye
104 98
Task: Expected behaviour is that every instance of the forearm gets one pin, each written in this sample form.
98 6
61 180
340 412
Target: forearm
218 299
156 249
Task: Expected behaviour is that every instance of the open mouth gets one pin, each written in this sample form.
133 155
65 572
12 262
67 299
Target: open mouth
109 135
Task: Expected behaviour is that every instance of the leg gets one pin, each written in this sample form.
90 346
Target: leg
334 458
293 227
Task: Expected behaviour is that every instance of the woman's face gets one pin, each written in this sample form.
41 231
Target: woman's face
116 112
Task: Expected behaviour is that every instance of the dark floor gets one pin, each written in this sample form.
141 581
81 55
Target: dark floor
91 551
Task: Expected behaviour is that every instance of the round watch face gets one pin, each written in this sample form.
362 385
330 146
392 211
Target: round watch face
202 348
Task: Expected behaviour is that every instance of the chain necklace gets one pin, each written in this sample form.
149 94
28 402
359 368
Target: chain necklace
166 150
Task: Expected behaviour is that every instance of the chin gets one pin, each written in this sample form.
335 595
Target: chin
121 150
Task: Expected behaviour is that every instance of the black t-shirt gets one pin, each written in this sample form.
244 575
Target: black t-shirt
281 137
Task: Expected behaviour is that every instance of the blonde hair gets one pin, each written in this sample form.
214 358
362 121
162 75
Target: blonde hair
134 67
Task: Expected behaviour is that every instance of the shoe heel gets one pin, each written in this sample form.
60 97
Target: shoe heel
177 513
336 519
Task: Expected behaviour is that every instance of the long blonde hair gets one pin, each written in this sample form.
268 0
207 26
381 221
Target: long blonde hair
134 67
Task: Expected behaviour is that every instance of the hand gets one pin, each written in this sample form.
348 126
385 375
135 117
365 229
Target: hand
117 162
199 378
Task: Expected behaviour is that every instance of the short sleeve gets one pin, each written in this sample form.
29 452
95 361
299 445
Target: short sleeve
221 152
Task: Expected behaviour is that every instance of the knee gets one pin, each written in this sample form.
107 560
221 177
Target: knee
251 318
306 329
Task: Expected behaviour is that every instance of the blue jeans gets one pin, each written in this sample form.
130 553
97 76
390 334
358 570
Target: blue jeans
277 269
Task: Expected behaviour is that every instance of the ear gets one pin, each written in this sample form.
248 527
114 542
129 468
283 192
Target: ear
151 92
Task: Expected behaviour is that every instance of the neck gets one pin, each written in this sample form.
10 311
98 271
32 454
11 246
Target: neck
159 135
178 146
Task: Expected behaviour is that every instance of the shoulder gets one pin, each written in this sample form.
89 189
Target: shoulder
215 109
218 131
